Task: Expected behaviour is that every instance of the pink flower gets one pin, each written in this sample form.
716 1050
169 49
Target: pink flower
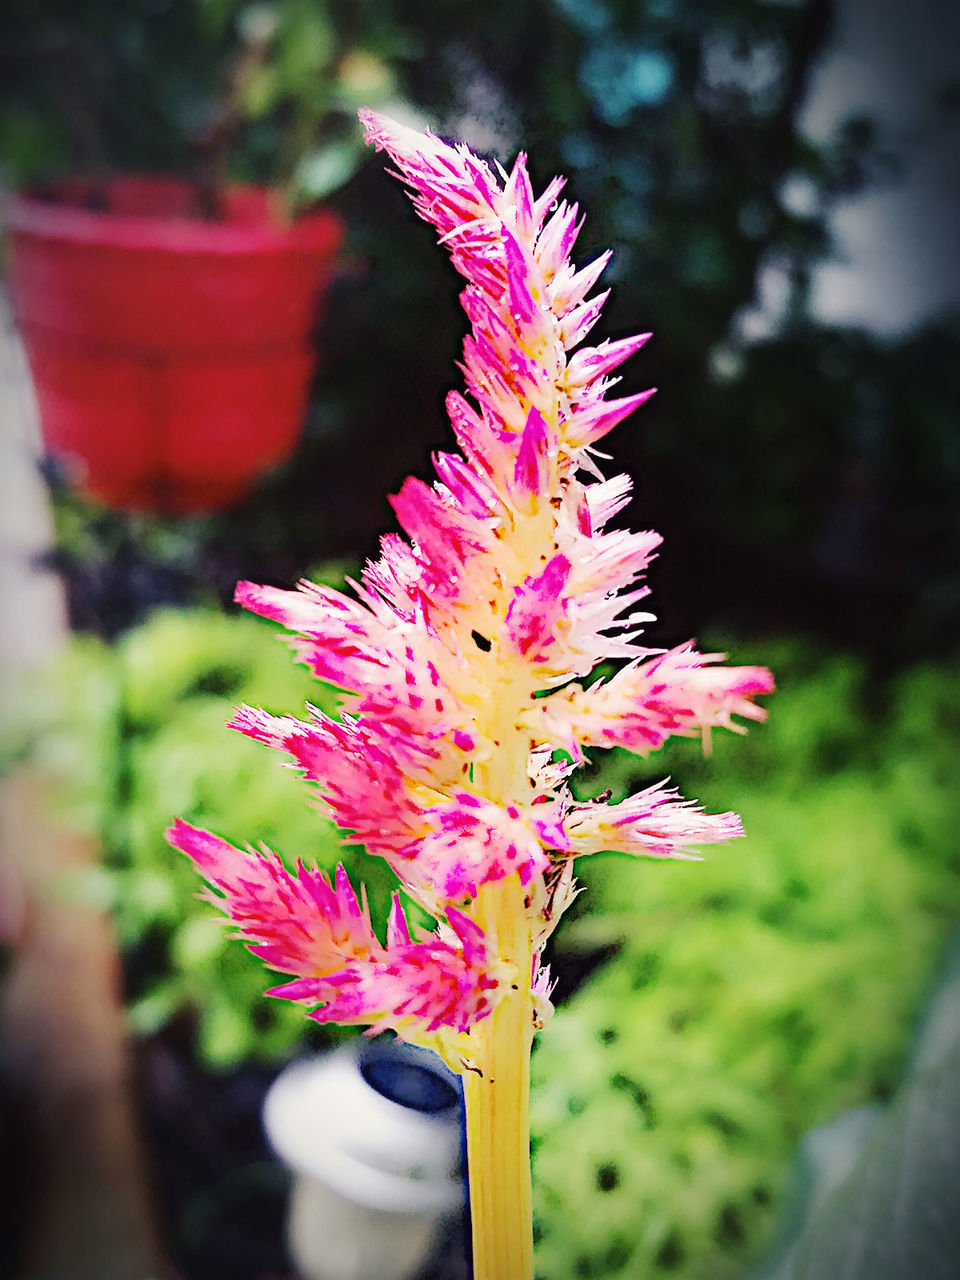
655 822
300 924
461 651
650 699
295 923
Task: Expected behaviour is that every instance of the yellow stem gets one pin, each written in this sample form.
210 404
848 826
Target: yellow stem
497 1096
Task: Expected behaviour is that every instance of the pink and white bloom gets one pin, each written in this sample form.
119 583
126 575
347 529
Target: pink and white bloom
463 650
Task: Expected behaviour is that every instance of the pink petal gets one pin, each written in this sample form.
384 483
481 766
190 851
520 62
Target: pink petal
470 841
472 491
588 425
522 304
680 692
578 322
591 363
518 195
535 609
654 823
532 470
416 988
297 923
556 240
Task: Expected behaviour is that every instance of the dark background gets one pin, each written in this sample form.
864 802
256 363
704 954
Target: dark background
804 479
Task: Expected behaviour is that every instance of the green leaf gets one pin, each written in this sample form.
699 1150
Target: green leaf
262 91
214 17
307 43
324 170
154 1010
363 79
198 941
224 1036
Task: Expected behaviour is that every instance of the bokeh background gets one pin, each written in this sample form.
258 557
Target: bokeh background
778 180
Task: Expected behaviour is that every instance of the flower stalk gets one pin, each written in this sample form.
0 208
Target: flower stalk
496 1092
464 654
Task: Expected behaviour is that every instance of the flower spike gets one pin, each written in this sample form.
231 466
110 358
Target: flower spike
463 657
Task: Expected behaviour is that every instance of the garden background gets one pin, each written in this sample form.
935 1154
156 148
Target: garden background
801 460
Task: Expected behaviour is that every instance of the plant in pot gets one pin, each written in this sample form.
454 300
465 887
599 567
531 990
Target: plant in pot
167 318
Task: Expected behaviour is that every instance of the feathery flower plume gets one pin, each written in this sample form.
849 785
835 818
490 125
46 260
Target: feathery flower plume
462 654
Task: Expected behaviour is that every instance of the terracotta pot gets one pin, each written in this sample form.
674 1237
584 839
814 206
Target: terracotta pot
171 355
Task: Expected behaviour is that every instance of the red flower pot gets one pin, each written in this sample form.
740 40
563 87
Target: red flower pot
171 356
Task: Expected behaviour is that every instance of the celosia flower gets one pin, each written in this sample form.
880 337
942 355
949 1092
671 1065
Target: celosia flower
463 649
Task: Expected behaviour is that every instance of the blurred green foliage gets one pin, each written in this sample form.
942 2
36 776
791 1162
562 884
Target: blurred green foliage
873 1193
757 993
137 733
217 89
728 1005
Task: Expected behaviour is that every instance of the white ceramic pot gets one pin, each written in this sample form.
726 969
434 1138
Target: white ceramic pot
371 1133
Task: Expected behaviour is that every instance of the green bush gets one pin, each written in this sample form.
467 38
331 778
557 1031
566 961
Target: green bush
750 996
757 993
138 733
